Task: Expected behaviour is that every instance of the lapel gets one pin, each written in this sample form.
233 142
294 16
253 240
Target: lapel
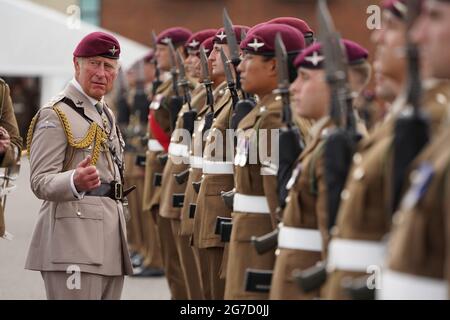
82 102
260 109
316 138
218 93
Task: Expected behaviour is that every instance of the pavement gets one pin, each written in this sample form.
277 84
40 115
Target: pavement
22 208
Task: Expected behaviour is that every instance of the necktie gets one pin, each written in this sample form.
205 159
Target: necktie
99 107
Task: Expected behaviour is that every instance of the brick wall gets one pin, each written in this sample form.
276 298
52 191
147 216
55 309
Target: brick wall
136 18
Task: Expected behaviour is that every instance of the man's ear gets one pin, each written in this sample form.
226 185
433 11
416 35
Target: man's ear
76 65
272 64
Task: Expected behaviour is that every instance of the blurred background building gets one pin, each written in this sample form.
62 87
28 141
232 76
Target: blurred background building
36 57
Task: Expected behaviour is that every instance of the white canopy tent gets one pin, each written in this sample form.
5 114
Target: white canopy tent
38 41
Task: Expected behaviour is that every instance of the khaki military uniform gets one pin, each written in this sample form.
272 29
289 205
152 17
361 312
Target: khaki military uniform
418 254
303 234
191 196
364 217
89 233
9 122
256 198
178 162
217 177
153 171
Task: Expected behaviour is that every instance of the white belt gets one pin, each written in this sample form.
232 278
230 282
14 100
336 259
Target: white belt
178 150
154 145
251 204
354 255
299 239
216 167
196 162
398 285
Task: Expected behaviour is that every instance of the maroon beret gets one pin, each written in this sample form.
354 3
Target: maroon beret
208 45
193 43
296 23
221 37
178 36
261 39
98 44
397 7
149 56
312 58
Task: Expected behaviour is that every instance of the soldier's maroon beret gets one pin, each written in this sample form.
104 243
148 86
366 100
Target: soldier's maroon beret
98 44
296 23
261 39
221 37
312 57
397 7
193 43
178 36
208 45
149 56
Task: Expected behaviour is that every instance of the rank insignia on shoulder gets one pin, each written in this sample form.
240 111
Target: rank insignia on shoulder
420 179
46 125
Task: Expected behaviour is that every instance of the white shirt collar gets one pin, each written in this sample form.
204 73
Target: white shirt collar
77 85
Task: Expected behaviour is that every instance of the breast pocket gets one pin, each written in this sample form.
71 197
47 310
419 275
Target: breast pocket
78 232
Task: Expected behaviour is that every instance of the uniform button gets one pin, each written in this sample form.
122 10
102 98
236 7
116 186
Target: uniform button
190 169
199 118
288 198
214 129
79 213
193 135
414 177
203 176
277 252
441 98
357 158
214 119
345 194
359 173
262 109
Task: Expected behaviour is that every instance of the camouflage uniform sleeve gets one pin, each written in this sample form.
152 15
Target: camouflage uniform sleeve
9 122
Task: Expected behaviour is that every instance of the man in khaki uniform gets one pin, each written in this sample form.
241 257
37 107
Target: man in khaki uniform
159 138
172 195
10 141
256 198
418 250
217 177
303 235
363 219
76 156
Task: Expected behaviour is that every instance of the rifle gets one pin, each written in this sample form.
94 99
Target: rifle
290 135
411 127
123 116
176 101
341 142
240 107
157 81
206 81
140 103
190 115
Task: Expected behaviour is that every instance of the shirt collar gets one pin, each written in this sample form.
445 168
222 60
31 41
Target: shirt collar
77 85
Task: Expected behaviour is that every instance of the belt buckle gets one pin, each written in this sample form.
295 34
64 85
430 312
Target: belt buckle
118 190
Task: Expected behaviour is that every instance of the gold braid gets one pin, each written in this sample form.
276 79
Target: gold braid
95 135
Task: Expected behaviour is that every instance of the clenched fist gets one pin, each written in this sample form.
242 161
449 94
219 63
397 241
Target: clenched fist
86 177
5 140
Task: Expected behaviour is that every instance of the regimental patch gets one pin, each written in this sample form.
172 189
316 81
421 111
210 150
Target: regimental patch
46 125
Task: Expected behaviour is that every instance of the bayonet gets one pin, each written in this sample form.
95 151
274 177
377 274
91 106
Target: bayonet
229 76
183 82
206 79
283 78
173 68
231 39
157 82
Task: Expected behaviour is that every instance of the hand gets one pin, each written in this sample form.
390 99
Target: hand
5 140
86 177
